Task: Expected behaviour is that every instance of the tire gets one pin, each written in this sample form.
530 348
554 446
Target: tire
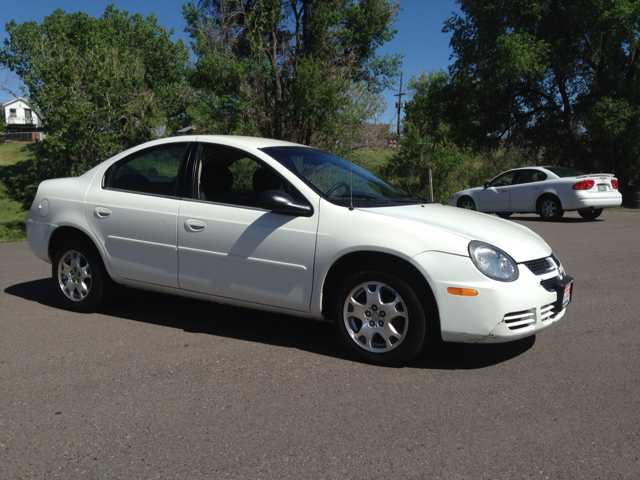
379 319
467 203
550 209
504 214
80 280
590 214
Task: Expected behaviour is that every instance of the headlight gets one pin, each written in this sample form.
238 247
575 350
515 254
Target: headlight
493 262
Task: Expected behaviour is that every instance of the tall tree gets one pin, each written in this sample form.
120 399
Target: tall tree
559 77
100 84
427 148
288 69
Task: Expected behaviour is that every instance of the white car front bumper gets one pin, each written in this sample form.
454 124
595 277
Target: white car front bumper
501 311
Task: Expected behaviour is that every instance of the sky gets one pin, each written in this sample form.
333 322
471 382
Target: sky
419 36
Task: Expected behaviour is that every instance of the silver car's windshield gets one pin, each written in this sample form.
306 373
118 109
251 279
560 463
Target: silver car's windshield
339 180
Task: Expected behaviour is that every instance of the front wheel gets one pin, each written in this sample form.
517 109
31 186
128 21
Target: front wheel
80 279
379 319
551 209
590 214
467 203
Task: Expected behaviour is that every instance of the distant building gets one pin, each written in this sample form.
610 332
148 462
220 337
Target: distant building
21 121
372 135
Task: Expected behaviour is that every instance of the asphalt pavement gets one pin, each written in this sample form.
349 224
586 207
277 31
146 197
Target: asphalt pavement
161 387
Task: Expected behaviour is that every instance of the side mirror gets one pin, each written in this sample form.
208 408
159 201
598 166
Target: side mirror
487 184
280 202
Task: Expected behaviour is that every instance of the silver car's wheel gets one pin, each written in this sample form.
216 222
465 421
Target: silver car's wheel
375 317
379 318
590 214
467 203
80 279
74 276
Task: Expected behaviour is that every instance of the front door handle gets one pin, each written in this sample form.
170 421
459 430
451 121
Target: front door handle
102 212
194 225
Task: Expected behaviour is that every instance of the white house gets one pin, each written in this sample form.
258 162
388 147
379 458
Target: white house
22 123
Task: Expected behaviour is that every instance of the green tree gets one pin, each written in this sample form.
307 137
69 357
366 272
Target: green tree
557 78
300 70
101 84
427 145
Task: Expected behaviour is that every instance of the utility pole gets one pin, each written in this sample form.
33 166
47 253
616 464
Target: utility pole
399 103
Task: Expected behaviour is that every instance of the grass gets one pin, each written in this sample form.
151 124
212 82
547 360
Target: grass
373 159
12 216
11 153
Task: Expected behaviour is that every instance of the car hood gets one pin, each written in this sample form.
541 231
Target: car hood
519 242
468 191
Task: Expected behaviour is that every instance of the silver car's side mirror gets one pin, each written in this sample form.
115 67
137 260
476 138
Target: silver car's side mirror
280 202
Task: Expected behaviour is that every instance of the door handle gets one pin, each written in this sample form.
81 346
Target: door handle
536 188
195 225
101 212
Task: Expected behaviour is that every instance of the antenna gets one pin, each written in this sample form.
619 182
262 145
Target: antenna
351 186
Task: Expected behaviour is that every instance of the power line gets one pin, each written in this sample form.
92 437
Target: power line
399 104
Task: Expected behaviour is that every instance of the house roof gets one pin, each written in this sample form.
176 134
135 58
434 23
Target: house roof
15 100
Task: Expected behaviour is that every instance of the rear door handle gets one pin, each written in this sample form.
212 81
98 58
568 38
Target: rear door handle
102 212
194 225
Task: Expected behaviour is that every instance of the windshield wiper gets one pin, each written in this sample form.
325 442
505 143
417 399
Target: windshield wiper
360 196
411 196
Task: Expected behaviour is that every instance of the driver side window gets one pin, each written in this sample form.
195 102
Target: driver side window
503 180
230 176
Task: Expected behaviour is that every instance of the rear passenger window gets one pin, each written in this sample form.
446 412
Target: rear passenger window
154 170
539 176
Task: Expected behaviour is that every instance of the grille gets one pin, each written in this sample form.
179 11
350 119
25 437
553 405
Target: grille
540 266
547 313
518 320
550 283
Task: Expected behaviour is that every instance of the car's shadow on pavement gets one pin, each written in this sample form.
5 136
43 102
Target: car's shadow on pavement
199 316
537 219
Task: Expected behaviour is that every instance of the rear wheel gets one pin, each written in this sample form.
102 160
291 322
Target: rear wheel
550 208
590 214
80 279
467 202
379 319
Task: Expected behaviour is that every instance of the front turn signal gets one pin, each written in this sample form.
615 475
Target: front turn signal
463 292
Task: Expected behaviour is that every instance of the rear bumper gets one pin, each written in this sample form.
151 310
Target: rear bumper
586 199
38 235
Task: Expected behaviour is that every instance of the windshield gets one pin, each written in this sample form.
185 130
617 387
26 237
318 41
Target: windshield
564 172
339 180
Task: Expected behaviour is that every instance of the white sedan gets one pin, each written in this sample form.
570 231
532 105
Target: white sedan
547 191
281 227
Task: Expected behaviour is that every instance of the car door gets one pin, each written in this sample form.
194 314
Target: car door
133 212
228 247
495 197
525 190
